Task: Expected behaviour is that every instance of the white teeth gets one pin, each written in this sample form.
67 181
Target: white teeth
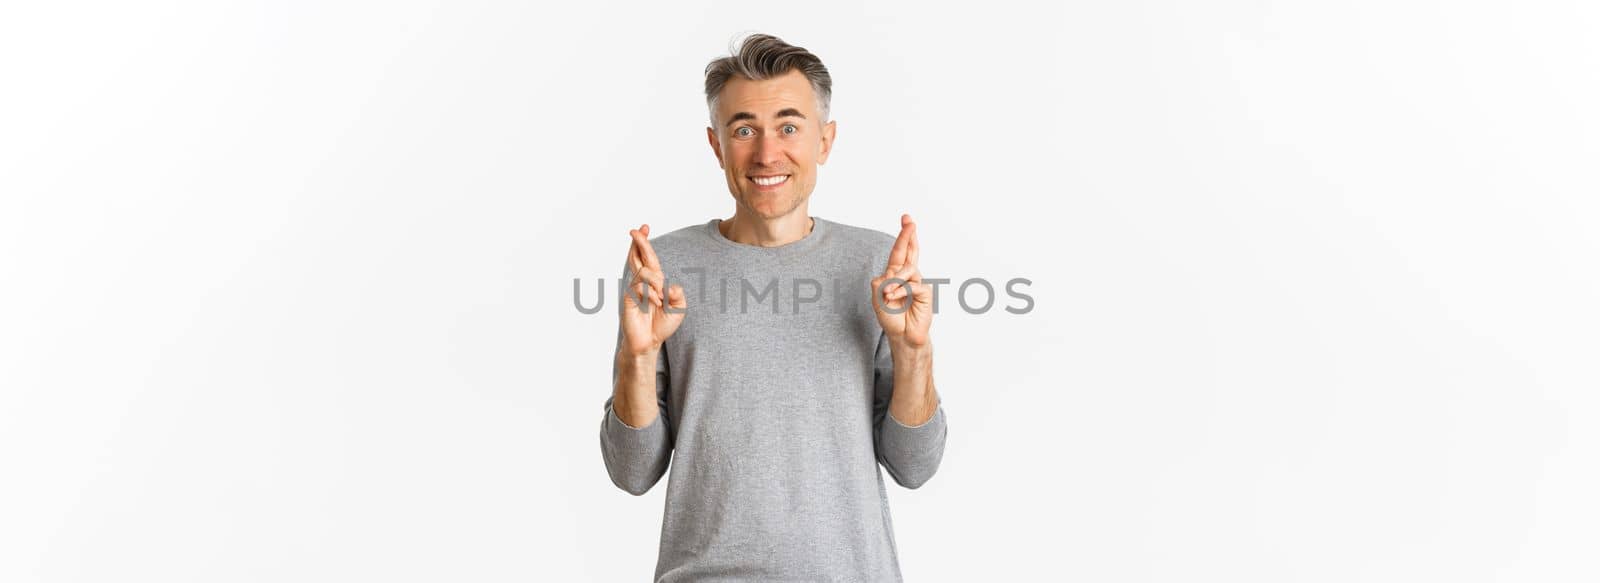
769 181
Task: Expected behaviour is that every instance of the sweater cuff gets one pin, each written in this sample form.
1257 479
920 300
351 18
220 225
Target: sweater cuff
635 457
915 440
912 454
938 412
615 424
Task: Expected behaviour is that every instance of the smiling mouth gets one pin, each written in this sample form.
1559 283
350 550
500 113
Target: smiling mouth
770 180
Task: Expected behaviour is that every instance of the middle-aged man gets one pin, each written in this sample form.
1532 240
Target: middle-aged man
776 358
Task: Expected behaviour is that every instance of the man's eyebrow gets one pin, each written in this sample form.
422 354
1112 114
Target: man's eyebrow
744 115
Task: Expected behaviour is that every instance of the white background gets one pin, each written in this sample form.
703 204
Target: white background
287 287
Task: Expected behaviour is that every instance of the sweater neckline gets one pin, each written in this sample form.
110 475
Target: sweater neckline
819 228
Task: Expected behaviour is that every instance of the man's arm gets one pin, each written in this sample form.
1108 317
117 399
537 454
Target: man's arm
909 428
908 423
636 434
915 400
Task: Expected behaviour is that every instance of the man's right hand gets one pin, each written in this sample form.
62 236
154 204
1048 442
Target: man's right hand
645 326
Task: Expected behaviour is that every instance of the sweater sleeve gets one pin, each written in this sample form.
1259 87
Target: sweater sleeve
911 454
637 457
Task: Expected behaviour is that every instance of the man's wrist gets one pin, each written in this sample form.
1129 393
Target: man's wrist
648 356
906 353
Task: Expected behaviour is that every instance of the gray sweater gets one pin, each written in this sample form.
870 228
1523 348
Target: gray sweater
774 396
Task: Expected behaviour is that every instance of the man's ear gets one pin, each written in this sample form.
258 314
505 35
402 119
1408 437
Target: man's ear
716 145
827 142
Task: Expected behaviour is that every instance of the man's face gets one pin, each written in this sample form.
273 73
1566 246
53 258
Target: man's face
769 139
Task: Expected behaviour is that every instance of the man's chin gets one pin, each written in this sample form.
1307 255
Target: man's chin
768 206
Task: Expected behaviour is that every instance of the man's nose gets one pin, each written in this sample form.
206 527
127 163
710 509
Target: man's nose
769 152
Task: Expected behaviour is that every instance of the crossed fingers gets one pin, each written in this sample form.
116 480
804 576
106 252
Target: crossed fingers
648 279
902 262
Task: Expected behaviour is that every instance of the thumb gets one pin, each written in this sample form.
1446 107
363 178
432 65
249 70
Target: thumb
675 297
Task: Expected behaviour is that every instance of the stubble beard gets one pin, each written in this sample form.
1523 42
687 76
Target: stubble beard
748 201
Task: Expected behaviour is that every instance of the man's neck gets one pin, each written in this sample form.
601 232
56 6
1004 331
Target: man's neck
767 233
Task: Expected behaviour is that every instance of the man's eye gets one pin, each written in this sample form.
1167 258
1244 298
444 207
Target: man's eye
744 132
789 128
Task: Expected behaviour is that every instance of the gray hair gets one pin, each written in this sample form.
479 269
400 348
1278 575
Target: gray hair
761 57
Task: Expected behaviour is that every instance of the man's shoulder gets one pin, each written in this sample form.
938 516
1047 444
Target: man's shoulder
870 244
683 239
861 235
